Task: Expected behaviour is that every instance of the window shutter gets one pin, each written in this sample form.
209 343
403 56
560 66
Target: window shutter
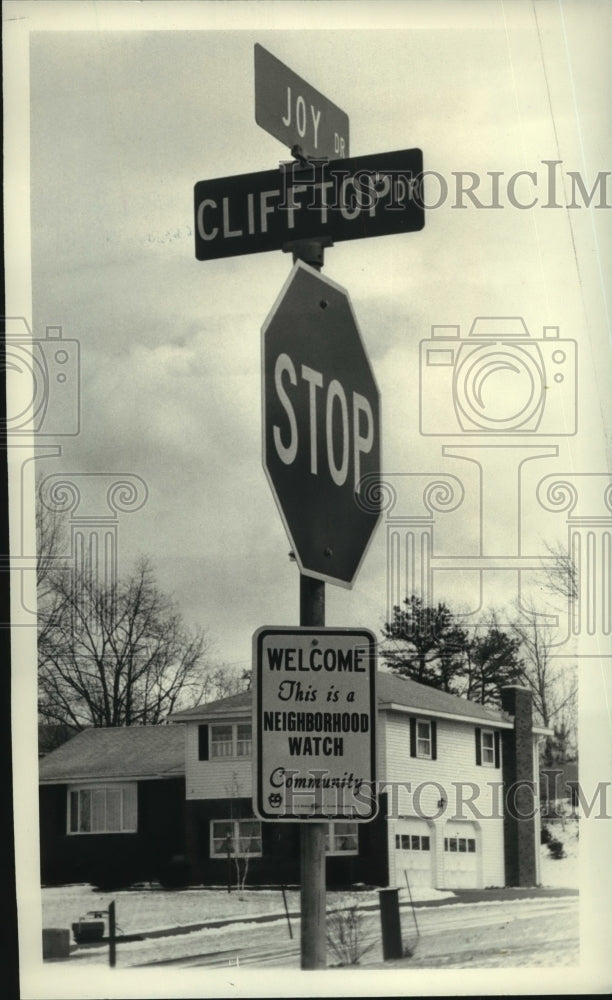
478 746
496 749
412 737
203 742
434 740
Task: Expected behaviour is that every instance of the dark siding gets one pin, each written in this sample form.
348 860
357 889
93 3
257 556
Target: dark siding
114 859
280 861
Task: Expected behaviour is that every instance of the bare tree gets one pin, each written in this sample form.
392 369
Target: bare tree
561 572
553 684
118 655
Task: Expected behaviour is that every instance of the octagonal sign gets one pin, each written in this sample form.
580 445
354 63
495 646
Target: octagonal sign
321 426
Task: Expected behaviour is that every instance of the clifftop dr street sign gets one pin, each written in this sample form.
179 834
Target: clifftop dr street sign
314 715
350 199
291 110
321 426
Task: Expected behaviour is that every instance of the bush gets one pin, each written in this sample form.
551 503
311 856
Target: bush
345 934
556 848
545 835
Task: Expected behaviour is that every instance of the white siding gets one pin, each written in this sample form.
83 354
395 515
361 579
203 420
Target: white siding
447 778
229 777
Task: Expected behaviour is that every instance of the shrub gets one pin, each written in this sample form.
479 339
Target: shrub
345 934
545 835
556 848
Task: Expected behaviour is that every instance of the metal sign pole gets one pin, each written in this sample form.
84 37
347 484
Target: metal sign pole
312 835
313 935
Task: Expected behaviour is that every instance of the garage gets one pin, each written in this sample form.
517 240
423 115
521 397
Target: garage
413 852
461 856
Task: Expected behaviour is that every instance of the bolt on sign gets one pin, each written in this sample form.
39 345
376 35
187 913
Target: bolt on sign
314 716
294 112
321 426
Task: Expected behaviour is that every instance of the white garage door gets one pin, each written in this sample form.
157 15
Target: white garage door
412 852
461 862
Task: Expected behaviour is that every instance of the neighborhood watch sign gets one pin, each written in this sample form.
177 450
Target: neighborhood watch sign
314 723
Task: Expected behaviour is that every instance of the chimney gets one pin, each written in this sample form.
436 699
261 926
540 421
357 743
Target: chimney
520 799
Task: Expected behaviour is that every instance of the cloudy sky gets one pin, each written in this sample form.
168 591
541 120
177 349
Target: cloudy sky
125 119
116 110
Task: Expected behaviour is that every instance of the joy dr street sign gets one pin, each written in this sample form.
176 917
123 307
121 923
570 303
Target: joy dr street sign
321 426
314 715
291 110
378 195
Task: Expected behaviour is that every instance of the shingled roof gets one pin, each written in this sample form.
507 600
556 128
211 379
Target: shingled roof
392 690
127 752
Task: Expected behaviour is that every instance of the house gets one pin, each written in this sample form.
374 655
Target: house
457 803
457 799
111 806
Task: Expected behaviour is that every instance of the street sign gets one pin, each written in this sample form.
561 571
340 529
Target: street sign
378 195
291 110
321 426
314 713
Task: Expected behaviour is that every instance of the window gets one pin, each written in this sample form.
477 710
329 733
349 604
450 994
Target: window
411 842
243 739
242 837
423 735
221 741
230 739
103 809
488 748
423 738
341 838
460 844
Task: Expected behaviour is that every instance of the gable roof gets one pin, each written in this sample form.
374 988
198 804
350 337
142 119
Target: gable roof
126 752
235 704
402 692
393 692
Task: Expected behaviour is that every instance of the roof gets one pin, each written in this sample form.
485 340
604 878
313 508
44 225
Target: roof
235 704
392 691
406 693
126 752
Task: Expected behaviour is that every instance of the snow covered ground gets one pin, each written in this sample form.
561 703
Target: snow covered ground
147 909
562 873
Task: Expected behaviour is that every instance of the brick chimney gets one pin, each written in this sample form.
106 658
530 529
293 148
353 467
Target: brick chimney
520 801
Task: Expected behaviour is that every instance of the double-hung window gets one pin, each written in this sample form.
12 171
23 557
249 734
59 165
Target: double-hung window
341 838
230 739
240 838
487 747
423 738
103 808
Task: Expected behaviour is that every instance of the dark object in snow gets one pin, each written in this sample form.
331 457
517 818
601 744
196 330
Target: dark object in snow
86 931
556 848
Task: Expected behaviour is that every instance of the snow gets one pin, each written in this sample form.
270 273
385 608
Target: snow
148 909
563 872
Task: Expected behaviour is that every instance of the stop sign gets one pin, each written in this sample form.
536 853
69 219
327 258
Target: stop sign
321 426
